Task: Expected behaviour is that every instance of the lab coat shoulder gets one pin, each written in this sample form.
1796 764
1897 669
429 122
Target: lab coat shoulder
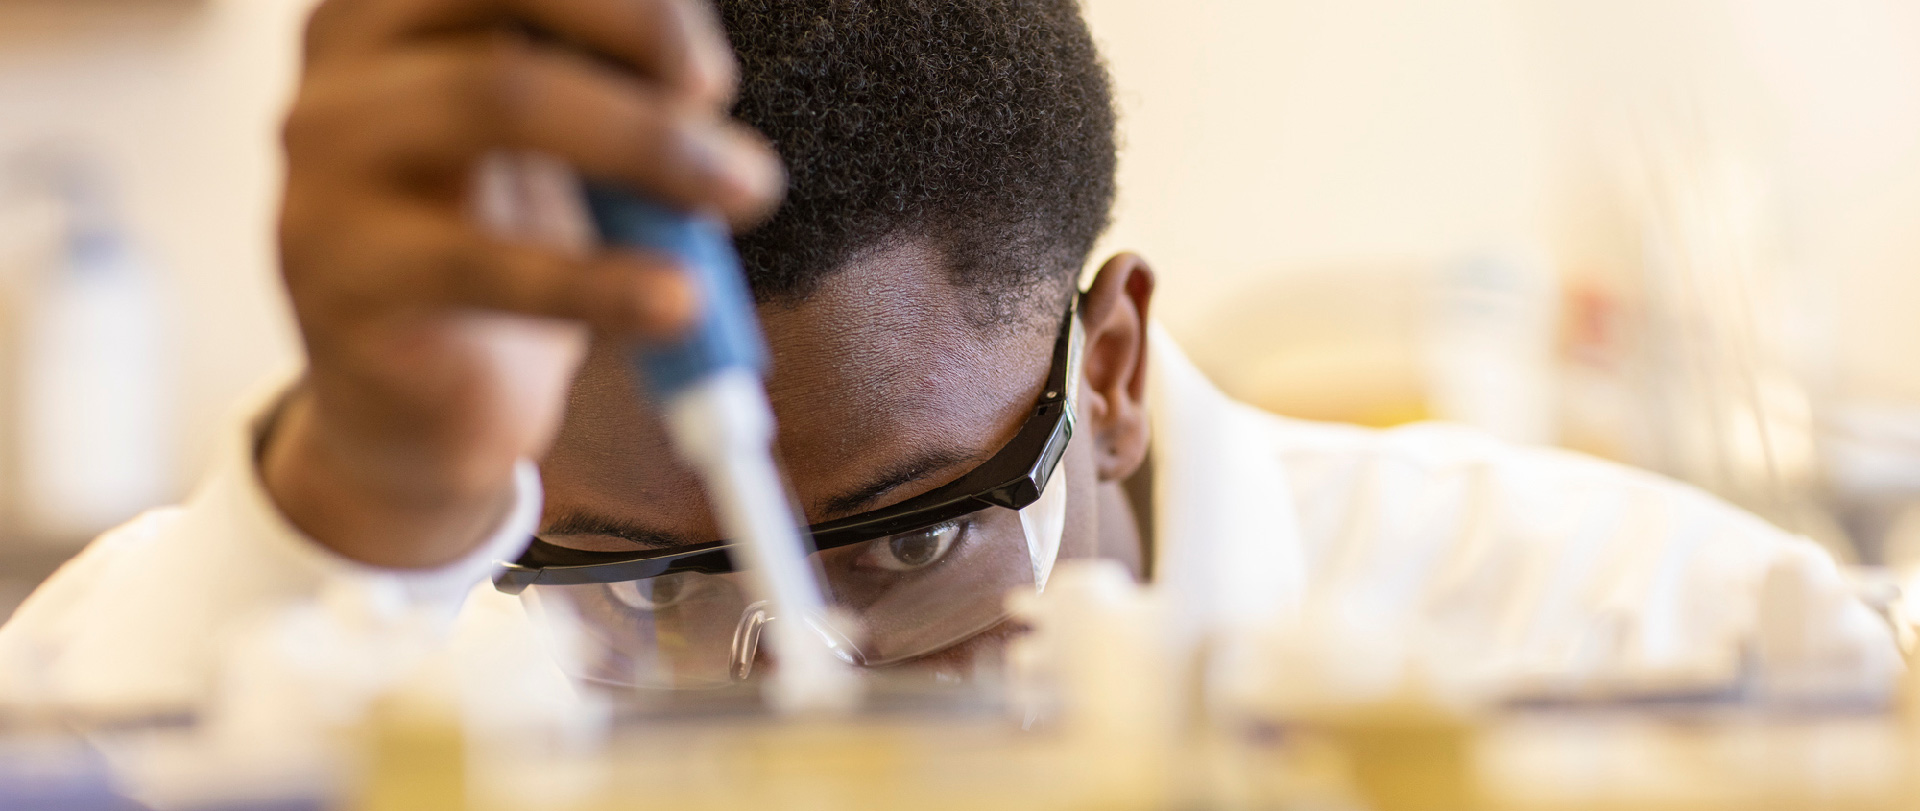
138 616
54 617
1549 563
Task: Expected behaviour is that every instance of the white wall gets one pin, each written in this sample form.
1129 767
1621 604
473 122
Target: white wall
1268 139
1268 135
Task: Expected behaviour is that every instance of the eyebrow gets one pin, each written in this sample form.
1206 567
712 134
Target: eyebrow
579 523
900 474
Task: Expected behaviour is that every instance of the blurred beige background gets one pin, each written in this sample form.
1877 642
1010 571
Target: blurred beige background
1296 169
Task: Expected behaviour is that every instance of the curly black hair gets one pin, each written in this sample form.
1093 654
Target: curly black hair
985 127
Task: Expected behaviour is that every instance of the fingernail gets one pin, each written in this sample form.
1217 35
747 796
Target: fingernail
713 68
744 166
713 75
668 303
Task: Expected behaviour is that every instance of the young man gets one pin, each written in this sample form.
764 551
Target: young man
950 165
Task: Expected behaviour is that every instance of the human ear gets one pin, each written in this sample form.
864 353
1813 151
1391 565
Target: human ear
1114 364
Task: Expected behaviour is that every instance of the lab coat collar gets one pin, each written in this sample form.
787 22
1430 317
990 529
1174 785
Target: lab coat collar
1227 547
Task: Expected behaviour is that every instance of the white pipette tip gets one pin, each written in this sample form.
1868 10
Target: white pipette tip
724 427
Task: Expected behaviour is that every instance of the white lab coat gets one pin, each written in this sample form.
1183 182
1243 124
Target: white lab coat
1532 562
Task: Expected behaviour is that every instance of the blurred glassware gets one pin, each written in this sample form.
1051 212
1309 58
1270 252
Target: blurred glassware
91 381
1488 341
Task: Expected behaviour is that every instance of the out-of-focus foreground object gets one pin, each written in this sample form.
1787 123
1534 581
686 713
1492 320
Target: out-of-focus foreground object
1100 708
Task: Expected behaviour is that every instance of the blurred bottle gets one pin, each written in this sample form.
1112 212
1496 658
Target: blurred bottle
92 389
1489 347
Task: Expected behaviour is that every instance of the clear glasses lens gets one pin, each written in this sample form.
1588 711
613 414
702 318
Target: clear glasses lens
907 595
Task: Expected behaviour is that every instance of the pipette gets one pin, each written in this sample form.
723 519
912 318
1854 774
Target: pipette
710 389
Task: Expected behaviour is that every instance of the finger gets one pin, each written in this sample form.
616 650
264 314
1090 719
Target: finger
441 108
677 43
621 293
531 197
422 258
615 292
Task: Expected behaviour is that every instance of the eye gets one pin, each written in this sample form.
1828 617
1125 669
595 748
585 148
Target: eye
913 550
651 594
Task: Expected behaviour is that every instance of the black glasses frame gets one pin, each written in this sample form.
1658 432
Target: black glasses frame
1013 478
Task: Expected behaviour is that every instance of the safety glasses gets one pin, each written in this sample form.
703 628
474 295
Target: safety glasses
913 578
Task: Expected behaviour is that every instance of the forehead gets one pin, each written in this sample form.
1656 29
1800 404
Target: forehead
881 372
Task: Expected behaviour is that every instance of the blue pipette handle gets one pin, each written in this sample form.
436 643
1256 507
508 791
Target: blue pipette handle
727 334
